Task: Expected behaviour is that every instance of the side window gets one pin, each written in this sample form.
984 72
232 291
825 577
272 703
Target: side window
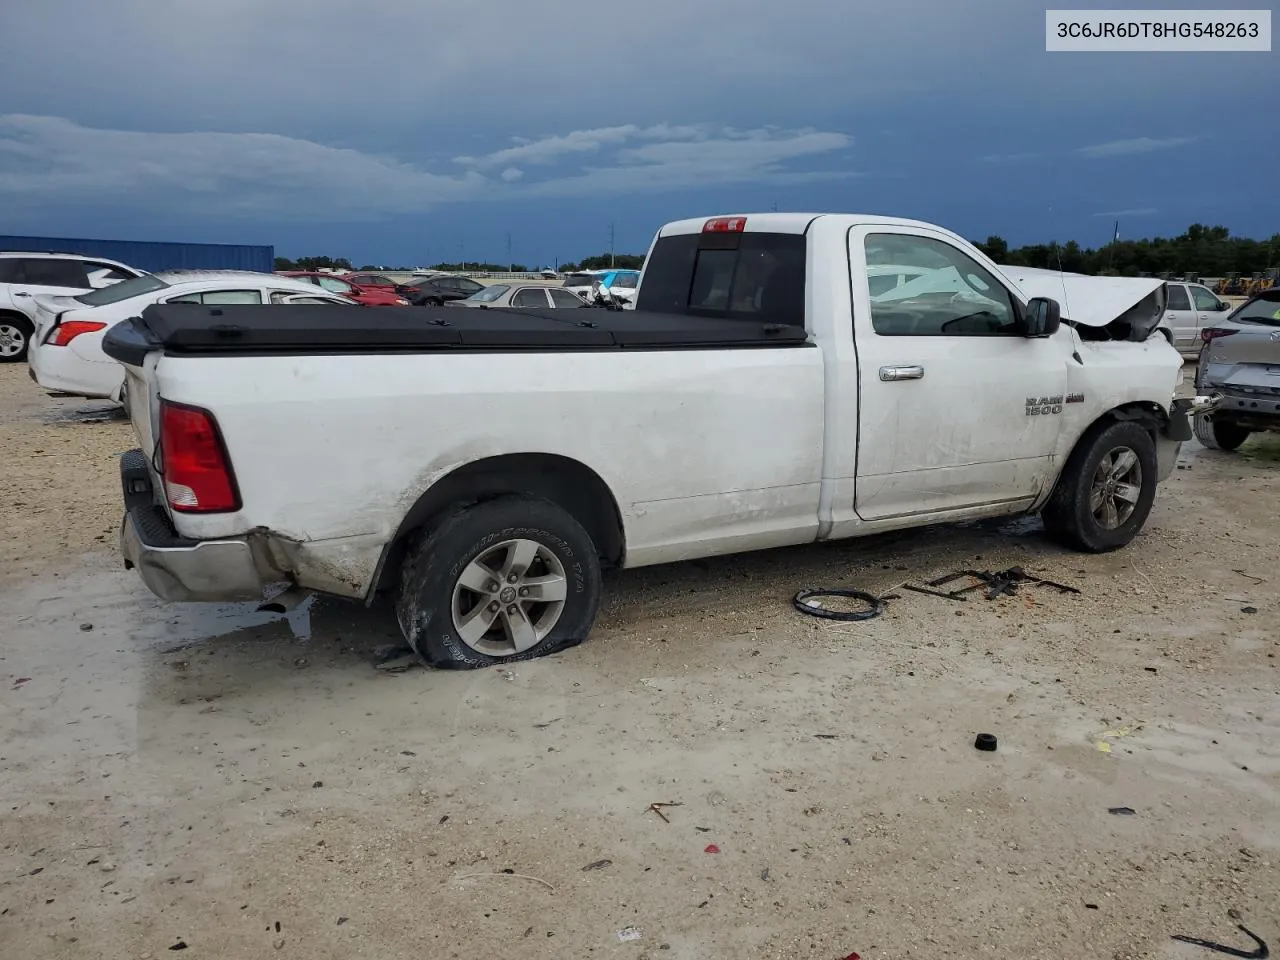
467 285
1204 299
564 298
55 273
231 296
102 274
334 285
529 297
9 272
185 298
951 296
1178 299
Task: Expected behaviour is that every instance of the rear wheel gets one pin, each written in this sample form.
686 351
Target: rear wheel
1219 434
1106 491
15 338
502 581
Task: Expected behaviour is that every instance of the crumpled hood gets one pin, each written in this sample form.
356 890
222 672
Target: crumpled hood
1092 301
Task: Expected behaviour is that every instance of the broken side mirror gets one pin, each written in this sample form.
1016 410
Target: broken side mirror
1043 317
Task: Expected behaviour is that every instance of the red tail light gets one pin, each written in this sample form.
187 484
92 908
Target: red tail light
725 225
64 333
1213 333
197 470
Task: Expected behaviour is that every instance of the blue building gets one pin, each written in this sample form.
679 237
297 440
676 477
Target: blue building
154 256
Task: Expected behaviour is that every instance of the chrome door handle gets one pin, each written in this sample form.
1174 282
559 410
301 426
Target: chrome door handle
901 373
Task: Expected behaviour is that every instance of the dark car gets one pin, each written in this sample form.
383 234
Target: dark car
440 290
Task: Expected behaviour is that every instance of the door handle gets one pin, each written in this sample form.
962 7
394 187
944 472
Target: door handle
901 373
21 293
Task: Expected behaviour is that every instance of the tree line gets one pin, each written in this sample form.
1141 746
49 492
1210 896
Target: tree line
1203 250
603 261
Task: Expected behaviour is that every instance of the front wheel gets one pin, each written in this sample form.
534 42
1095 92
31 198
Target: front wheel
506 580
15 338
1219 434
1106 491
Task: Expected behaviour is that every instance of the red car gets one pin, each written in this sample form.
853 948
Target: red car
366 296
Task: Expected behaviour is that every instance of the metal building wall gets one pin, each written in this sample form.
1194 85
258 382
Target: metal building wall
154 256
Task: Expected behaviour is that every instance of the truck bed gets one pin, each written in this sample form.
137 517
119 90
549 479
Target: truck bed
182 329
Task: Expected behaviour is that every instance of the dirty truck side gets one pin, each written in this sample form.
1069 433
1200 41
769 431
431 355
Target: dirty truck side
772 387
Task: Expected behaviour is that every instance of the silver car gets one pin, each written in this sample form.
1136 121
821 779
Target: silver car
1240 361
523 293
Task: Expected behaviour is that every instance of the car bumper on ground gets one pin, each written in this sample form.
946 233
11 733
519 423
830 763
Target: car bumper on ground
174 567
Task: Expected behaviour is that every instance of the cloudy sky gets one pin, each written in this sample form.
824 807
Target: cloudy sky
409 132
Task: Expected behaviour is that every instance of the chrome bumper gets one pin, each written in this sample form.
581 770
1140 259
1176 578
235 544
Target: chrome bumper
187 570
174 567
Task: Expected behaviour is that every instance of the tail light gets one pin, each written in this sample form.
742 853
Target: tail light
67 331
197 471
1214 333
725 225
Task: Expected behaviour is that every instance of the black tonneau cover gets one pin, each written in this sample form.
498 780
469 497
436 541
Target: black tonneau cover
252 329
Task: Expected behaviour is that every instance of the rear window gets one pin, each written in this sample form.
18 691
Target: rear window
490 293
122 291
1260 311
745 276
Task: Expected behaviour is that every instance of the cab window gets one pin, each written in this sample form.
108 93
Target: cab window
952 295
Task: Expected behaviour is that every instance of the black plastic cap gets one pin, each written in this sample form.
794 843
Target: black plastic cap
985 741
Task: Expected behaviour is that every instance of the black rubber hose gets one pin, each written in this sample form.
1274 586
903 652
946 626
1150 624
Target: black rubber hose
799 601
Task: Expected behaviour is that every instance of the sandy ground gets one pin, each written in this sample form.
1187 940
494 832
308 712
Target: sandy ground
251 786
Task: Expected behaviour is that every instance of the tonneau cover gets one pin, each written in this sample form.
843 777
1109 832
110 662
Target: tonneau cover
188 328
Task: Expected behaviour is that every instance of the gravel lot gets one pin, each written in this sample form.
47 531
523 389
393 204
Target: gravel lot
251 786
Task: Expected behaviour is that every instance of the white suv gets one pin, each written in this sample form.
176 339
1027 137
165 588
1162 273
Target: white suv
23 276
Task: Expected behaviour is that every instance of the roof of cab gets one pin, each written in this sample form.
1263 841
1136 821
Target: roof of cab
790 222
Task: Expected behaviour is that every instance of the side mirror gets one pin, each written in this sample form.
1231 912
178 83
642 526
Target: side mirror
1223 305
1043 317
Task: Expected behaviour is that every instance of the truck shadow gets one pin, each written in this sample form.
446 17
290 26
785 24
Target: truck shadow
337 643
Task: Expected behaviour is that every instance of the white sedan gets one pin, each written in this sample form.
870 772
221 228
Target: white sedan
66 349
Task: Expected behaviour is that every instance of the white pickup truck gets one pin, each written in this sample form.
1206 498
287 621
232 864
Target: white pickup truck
480 468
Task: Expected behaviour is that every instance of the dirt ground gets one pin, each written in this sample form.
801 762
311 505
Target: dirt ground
249 785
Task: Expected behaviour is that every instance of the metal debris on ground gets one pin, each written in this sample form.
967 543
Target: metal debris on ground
1261 953
804 602
1122 811
597 865
629 933
999 583
399 664
658 807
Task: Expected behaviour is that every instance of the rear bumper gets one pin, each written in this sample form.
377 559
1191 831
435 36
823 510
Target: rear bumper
174 567
61 370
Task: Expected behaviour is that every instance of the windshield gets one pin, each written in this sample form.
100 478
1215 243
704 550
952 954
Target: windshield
122 291
1259 311
490 293
625 281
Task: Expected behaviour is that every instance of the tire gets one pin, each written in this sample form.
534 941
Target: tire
1219 434
444 618
1069 516
15 338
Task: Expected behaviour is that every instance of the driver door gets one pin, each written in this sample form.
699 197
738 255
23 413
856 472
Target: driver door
956 408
